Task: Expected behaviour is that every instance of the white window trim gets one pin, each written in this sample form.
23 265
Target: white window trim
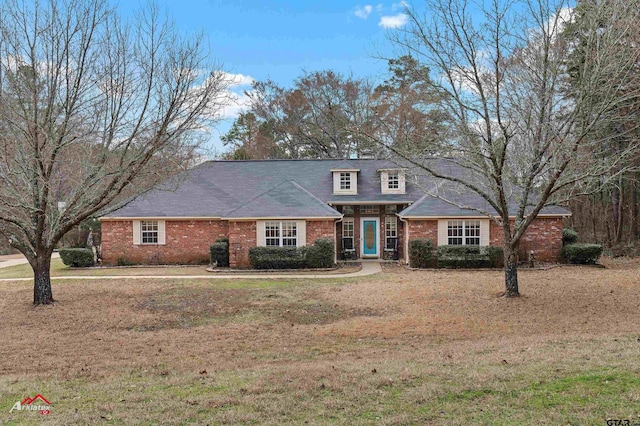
354 183
443 238
137 233
301 232
390 219
384 182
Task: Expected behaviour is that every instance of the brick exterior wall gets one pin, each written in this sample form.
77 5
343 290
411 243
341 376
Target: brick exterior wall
187 242
317 229
242 236
543 236
424 229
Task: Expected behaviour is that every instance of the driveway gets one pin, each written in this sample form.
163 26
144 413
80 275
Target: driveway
17 259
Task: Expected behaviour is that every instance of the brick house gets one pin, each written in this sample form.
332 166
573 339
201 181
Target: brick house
370 208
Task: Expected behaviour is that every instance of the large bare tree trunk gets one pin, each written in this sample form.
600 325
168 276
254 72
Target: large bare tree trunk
511 271
42 294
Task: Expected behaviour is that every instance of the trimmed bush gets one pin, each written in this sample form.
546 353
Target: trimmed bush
569 236
454 257
421 253
321 254
220 253
77 257
277 257
496 255
582 254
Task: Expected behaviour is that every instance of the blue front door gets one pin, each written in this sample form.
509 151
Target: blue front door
369 238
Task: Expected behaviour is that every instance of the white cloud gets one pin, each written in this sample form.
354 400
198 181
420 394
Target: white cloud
236 104
393 21
396 6
235 101
236 80
379 8
363 12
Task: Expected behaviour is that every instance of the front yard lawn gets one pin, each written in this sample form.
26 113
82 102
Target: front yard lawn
409 347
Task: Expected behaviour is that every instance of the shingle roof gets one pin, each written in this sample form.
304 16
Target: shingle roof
286 200
282 188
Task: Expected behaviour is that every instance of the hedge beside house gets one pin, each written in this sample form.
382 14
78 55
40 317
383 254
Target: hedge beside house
569 236
582 254
277 257
220 253
77 257
421 253
320 255
452 257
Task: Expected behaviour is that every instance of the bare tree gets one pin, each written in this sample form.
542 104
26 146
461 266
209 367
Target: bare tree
93 110
520 128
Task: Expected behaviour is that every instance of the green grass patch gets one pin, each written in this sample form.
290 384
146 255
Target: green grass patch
252 396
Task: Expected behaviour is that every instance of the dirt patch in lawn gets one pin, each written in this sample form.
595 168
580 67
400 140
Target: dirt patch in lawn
187 307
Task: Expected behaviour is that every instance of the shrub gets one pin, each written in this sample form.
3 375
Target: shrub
321 254
220 253
468 256
421 253
223 240
496 255
583 254
77 257
569 236
277 257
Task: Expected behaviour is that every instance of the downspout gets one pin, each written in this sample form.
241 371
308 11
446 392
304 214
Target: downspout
406 238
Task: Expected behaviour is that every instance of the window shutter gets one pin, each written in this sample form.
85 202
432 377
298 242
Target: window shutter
161 232
136 232
302 233
260 237
384 182
484 232
401 183
442 232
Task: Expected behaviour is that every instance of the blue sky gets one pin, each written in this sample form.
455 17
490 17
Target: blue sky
279 39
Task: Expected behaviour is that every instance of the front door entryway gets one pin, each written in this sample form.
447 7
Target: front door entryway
369 237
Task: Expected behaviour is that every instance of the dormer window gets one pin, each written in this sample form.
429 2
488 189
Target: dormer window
345 181
392 181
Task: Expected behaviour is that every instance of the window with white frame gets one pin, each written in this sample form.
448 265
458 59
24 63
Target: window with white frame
463 232
393 180
369 209
281 234
347 227
348 234
149 232
391 232
345 181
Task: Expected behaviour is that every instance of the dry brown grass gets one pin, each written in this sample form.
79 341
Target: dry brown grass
435 347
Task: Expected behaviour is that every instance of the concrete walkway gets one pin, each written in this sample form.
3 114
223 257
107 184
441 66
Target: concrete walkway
368 268
18 259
